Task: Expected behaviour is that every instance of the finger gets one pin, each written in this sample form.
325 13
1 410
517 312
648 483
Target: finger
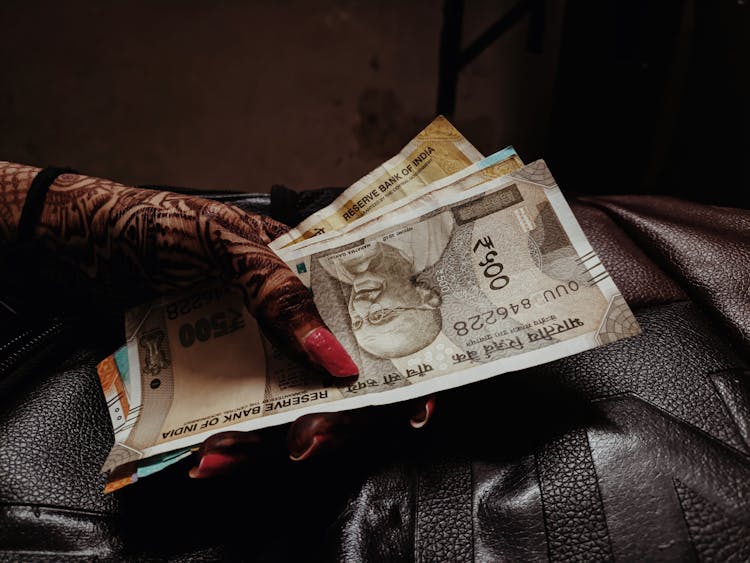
422 410
227 452
314 433
289 317
417 412
216 464
273 229
280 302
231 441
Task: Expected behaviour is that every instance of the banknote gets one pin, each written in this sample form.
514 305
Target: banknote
489 168
492 279
129 473
122 394
437 151
497 164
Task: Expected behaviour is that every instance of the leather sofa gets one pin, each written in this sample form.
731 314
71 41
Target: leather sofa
639 450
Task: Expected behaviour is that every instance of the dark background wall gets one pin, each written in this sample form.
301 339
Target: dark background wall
618 96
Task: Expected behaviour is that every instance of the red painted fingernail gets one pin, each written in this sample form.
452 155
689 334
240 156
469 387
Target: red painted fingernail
324 349
212 464
421 418
314 445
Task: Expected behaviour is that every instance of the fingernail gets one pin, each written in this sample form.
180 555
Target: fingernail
324 349
421 417
212 464
306 452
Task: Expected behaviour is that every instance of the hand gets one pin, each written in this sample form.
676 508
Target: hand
122 235
164 241
309 435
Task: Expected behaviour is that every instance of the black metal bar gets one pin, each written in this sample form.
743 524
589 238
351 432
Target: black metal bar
453 59
502 25
536 26
450 56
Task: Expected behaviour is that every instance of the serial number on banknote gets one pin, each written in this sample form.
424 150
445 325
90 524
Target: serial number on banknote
490 317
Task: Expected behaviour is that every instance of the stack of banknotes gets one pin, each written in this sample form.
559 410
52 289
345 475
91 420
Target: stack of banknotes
439 268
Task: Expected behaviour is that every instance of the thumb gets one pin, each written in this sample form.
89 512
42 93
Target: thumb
288 316
283 306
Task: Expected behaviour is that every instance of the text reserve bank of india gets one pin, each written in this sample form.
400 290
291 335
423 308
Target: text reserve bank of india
439 150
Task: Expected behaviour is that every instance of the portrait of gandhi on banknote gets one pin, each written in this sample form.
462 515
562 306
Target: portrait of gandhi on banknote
414 292
394 313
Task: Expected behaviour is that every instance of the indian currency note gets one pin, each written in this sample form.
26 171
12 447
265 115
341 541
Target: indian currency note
437 151
497 164
494 279
128 474
489 168
121 392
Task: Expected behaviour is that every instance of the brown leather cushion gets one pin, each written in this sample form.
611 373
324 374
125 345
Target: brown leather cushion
638 450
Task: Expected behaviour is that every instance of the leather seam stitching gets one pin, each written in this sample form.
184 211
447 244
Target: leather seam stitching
684 520
57 508
599 493
675 418
647 250
544 507
645 244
